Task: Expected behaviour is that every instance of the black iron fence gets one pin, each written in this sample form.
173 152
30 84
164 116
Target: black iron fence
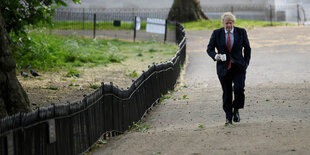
292 13
82 18
73 128
112 23
107 23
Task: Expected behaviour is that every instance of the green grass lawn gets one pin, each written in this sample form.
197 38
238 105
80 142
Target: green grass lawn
51 51
79 25
214 24
197 25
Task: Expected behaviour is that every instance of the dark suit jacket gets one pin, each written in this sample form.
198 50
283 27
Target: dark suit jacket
238 55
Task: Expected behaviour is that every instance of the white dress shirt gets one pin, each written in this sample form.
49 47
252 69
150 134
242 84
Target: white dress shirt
231 38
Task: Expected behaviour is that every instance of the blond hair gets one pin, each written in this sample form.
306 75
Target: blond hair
229 16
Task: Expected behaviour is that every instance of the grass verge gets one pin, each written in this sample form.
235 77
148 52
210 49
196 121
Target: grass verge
43 51
196 25
214 24
80 25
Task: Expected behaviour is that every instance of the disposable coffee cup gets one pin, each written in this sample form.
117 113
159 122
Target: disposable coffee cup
223 57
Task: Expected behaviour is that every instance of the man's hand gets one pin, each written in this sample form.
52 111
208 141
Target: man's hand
218 57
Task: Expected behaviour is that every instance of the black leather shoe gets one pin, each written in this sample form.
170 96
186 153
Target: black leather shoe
228 122
236 116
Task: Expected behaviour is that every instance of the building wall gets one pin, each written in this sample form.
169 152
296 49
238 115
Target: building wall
124 3
233 2
291 9
284 10
159 3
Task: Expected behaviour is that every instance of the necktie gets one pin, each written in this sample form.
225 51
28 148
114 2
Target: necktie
229 48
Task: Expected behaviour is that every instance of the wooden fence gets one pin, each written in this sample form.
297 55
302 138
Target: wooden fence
74 128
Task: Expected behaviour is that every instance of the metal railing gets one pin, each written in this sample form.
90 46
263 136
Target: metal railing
107 23
294 13
111 23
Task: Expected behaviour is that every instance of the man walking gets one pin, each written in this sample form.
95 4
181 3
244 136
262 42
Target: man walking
232 57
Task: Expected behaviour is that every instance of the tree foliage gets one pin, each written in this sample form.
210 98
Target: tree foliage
19 13
14 16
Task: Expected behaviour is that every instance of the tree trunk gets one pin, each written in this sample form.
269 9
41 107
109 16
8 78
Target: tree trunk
185 11
13 98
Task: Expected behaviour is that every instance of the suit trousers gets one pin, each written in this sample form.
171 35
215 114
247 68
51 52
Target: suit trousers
233 81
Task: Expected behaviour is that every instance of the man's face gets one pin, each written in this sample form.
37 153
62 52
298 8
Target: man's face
228 24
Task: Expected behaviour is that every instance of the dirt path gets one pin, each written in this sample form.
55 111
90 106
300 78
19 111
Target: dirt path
276 118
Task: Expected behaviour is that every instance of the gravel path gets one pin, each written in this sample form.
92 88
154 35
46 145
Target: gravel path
276 118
